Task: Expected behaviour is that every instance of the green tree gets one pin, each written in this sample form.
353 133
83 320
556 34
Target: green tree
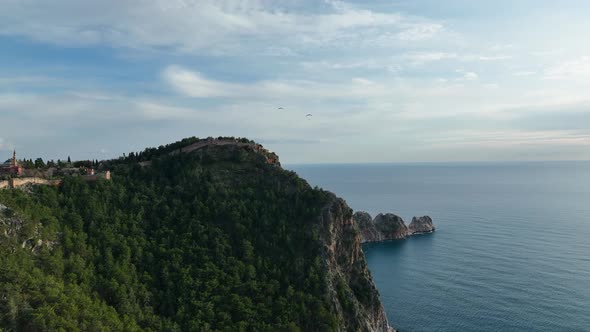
39 163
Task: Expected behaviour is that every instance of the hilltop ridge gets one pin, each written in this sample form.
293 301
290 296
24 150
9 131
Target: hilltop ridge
216 238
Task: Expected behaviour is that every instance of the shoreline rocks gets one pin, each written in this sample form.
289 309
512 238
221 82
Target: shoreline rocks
389 226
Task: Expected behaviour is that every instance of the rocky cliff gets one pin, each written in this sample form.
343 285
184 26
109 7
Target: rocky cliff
367 228
352 293
15 231
253 244
389 226
421 225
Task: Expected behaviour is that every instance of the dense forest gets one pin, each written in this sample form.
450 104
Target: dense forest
215 240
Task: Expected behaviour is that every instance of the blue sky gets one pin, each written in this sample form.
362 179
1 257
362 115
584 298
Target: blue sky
386 81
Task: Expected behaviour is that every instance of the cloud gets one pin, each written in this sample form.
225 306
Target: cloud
396 63
48 111
155 111
356 64
417 32
425 57
494 57
467 75
210 26
470 76
196 85
24 80
524 73
514 138
572 69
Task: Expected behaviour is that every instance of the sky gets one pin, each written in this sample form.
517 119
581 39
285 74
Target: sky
385 81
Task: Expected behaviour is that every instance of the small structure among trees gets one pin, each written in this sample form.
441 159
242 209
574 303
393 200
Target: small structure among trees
15 173
12 166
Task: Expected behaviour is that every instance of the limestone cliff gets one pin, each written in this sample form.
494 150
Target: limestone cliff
389 226
367 227
353 295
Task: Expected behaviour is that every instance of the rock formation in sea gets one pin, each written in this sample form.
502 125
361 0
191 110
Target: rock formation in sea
421 225
389 226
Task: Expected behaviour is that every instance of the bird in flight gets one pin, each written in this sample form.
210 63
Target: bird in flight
308 116
280 108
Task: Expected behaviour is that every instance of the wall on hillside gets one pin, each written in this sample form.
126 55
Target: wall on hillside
19 182
4 184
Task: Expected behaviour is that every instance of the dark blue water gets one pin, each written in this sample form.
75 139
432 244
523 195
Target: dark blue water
511 251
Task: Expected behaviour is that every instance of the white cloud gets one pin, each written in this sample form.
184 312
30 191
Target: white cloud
470 76
513 138
208 26
362 81
194 84
49 109
494 57
572 69
425 57
156 111
524 73
467 75
23 79
417 32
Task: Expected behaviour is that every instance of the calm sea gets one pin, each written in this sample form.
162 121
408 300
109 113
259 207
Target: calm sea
511 251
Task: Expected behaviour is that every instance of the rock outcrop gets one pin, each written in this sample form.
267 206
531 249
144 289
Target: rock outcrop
389 226
16 231
421 225
369 232
357 306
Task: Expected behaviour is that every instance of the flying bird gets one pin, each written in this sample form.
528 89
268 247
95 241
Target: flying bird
280 108
308 116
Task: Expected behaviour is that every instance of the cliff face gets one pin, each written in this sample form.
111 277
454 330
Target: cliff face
390 227
352 293
366 226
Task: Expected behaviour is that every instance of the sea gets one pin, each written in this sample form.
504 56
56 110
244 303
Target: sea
511 251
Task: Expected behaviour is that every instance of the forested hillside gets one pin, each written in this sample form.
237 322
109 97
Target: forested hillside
214 240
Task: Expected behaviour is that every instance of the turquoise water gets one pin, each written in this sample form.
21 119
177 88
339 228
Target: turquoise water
511 251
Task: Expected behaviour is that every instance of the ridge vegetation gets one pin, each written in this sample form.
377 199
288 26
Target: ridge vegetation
213 240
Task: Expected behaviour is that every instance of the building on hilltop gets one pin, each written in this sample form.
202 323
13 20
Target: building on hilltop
95 176
11 167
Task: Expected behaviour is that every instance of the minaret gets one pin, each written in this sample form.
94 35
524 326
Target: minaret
14 157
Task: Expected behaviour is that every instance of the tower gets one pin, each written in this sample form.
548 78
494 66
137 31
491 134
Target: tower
13 157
